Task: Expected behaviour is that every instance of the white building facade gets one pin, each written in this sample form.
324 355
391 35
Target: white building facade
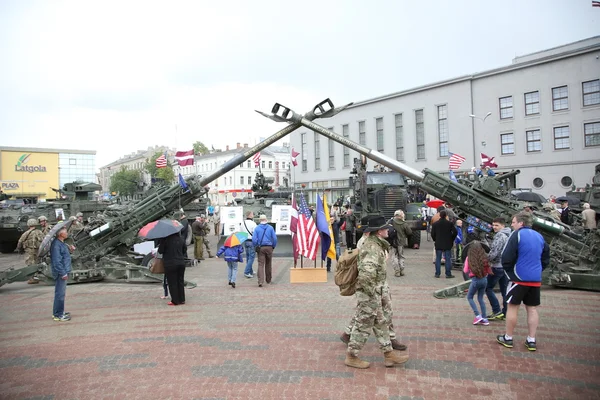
237 183
544 119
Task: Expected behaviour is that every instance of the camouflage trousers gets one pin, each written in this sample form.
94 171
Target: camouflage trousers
369 317
388 313
398 259
30 257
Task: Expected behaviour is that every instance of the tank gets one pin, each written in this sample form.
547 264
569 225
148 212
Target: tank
574 253
382 192
72 198
104 248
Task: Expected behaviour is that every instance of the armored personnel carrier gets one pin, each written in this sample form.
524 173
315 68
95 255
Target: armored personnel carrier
574 253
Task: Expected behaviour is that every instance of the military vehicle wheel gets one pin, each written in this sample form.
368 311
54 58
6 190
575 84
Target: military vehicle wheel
414 239
188 239
148 260
7 248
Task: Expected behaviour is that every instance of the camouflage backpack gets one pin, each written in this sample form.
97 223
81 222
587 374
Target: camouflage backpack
346 272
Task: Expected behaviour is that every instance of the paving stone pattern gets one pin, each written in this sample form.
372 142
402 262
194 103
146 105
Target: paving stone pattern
281 341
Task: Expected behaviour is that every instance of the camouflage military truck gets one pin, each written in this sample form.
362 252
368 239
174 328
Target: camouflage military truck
382 192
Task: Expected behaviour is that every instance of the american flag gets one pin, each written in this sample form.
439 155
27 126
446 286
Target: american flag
308 235
256 159
294 227
161 162
455 160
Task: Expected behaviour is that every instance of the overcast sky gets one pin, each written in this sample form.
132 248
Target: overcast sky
117 76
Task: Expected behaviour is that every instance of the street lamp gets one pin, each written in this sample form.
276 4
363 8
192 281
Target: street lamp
483 142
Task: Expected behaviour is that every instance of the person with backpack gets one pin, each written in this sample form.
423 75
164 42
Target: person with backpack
495 260
370 283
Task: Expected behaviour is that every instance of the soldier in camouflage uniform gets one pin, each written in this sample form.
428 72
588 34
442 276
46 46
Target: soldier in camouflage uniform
77 225
369 290
29 243
386 303
45 226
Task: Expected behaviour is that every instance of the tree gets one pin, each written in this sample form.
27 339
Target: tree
125 182
166 174
200 148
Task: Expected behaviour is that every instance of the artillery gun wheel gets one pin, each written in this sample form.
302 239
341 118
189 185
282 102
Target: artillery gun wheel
7 248
148 260
414 239
189 237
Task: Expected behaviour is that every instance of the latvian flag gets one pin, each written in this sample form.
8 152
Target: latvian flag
185 158
256 159
595 3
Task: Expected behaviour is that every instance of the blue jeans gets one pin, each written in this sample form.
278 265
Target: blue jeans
60 290
478 286
438 261
500 278
250 255
232 267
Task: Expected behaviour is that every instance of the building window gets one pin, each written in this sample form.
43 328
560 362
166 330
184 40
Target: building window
362 133
534 141
330 149
270 164
566 181
560 98
506 107
230 181
379 130
443 130
304 152
591 92
241 180
420 134
346 134
532 103
283 165
249 180
562 138
249 164
538 183
399 137
242 165
592 134
507 140
72 161
317 151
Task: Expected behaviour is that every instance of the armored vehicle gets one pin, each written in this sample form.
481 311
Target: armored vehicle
590 195
382 192
104 250
72 199
574 253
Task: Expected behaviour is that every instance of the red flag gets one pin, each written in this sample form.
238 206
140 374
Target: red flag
294 155
256 159
488 162
294 227
308 234
595 3
185 158
161 162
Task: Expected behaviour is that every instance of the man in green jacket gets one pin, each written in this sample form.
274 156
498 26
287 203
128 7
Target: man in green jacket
403 232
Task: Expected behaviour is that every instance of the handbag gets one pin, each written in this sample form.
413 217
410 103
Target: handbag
257 248
158 266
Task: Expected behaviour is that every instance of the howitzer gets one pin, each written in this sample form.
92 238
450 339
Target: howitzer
103 251
575 256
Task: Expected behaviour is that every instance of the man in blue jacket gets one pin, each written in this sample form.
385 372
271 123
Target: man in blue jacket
525 256
61 266
264 241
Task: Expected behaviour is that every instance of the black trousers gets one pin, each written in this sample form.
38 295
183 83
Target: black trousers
350 240
175 281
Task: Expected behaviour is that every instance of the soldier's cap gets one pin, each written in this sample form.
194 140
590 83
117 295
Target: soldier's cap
42 218
32 222
262 217
72 218
201 216
79 214
376 223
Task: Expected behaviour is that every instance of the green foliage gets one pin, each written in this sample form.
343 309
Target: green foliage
200 148
125 182
166 174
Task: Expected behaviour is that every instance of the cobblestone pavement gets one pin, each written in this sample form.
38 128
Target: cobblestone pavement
281 341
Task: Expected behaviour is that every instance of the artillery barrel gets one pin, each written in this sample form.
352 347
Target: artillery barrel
507 175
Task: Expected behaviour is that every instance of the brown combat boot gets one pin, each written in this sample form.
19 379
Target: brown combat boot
345 338
394 358
355 362
396 345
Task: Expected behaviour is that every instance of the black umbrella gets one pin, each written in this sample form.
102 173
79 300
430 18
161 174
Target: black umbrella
50 236
573 201
531 196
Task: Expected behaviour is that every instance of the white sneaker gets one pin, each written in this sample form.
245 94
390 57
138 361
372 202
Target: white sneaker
248 276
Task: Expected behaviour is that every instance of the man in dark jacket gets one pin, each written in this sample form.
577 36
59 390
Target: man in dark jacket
498 275
565 216
171 249
350 228
60 256
443 233
403 232
184 231
525 256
